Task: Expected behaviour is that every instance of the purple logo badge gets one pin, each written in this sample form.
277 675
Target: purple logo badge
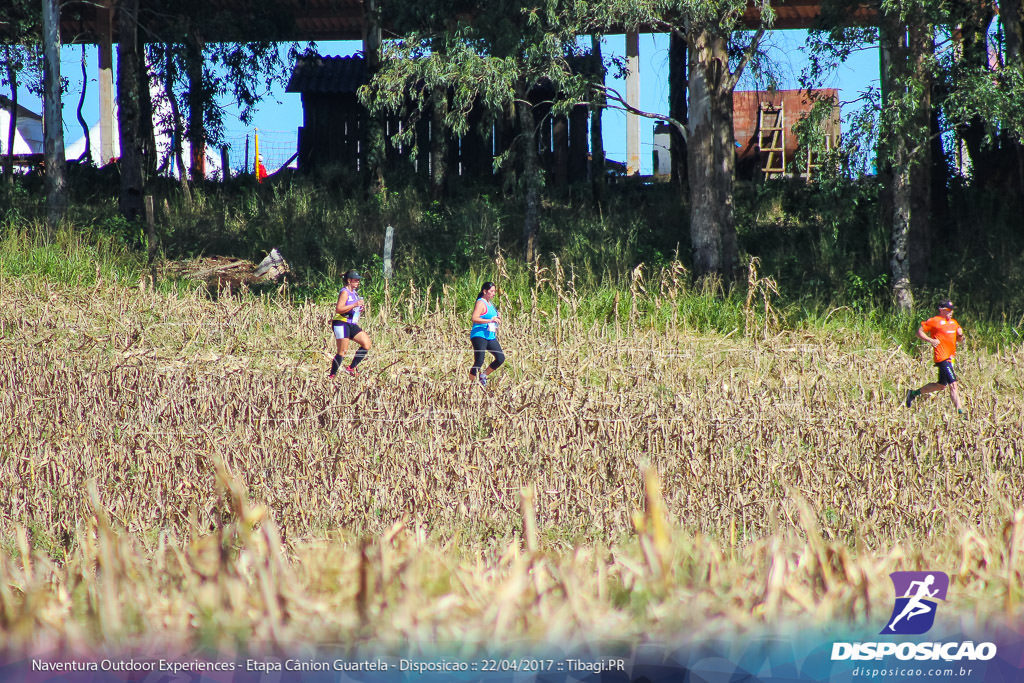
917 596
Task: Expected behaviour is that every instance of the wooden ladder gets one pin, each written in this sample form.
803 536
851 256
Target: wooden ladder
771 132
812 158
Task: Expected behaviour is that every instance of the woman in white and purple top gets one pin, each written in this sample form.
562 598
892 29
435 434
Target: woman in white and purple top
349 308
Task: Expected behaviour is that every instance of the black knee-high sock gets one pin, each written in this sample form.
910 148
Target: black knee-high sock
360 355
336 363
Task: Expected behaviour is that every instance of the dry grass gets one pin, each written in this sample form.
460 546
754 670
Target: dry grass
190 452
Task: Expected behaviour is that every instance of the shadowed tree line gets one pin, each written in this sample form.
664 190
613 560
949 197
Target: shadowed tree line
946 121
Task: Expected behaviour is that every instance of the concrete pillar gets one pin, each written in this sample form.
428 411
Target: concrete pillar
633 98
108 134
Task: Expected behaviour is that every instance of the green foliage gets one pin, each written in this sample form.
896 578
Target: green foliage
717 17
976 93
78 257
492 62
821 243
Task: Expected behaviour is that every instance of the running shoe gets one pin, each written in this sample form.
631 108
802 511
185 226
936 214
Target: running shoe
352 371
483 379
910 397
330 375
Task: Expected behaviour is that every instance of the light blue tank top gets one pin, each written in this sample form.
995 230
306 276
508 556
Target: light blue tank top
484 330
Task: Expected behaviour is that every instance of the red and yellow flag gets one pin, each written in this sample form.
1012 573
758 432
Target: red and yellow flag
260 169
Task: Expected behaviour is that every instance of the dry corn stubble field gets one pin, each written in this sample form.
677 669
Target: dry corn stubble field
617 480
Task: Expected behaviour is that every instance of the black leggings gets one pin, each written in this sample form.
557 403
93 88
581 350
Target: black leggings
482 346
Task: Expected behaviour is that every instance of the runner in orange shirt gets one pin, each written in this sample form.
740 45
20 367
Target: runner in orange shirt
942 332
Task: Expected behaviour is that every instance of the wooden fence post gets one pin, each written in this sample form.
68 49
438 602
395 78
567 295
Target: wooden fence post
389 241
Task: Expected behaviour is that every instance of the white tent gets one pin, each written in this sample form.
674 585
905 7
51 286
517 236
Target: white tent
28 134
77 148
163 149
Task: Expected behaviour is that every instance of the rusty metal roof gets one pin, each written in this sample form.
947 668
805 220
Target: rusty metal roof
343 19
83 20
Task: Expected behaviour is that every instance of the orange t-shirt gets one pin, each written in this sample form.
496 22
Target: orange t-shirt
945 331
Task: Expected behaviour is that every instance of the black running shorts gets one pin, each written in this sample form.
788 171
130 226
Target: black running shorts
946 373
345 330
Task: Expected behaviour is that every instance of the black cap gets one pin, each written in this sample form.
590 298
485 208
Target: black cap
352 275
945 303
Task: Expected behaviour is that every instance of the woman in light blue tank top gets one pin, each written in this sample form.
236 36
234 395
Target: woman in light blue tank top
484 334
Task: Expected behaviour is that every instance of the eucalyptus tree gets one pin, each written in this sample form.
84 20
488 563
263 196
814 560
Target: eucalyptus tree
53 117
985 82
906 58
131 110
489 54
981 99
429 26
20 32
902 114
719 52
208 54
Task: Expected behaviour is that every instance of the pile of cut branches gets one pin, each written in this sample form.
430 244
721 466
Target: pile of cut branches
218 272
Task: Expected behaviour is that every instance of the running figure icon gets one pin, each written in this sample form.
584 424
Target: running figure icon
916 605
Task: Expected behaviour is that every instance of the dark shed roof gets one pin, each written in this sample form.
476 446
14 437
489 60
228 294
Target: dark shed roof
6 103
327 75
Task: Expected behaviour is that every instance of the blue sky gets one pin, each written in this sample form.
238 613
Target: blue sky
280 114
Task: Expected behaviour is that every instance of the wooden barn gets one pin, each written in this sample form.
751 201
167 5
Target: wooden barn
334 126
332 118
767 145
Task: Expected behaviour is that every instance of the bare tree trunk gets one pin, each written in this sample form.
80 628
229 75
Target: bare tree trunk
128 110
438 143
677 84
597 175
87 152
531 178
711 155
196 102
147 132
899 257
894 151
705 236
376 147
176 127
921 48
725 175
56 189
12 124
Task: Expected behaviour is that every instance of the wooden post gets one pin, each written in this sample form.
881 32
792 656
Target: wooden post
151 235
596 136
106 83
225 166
389 241
633 98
